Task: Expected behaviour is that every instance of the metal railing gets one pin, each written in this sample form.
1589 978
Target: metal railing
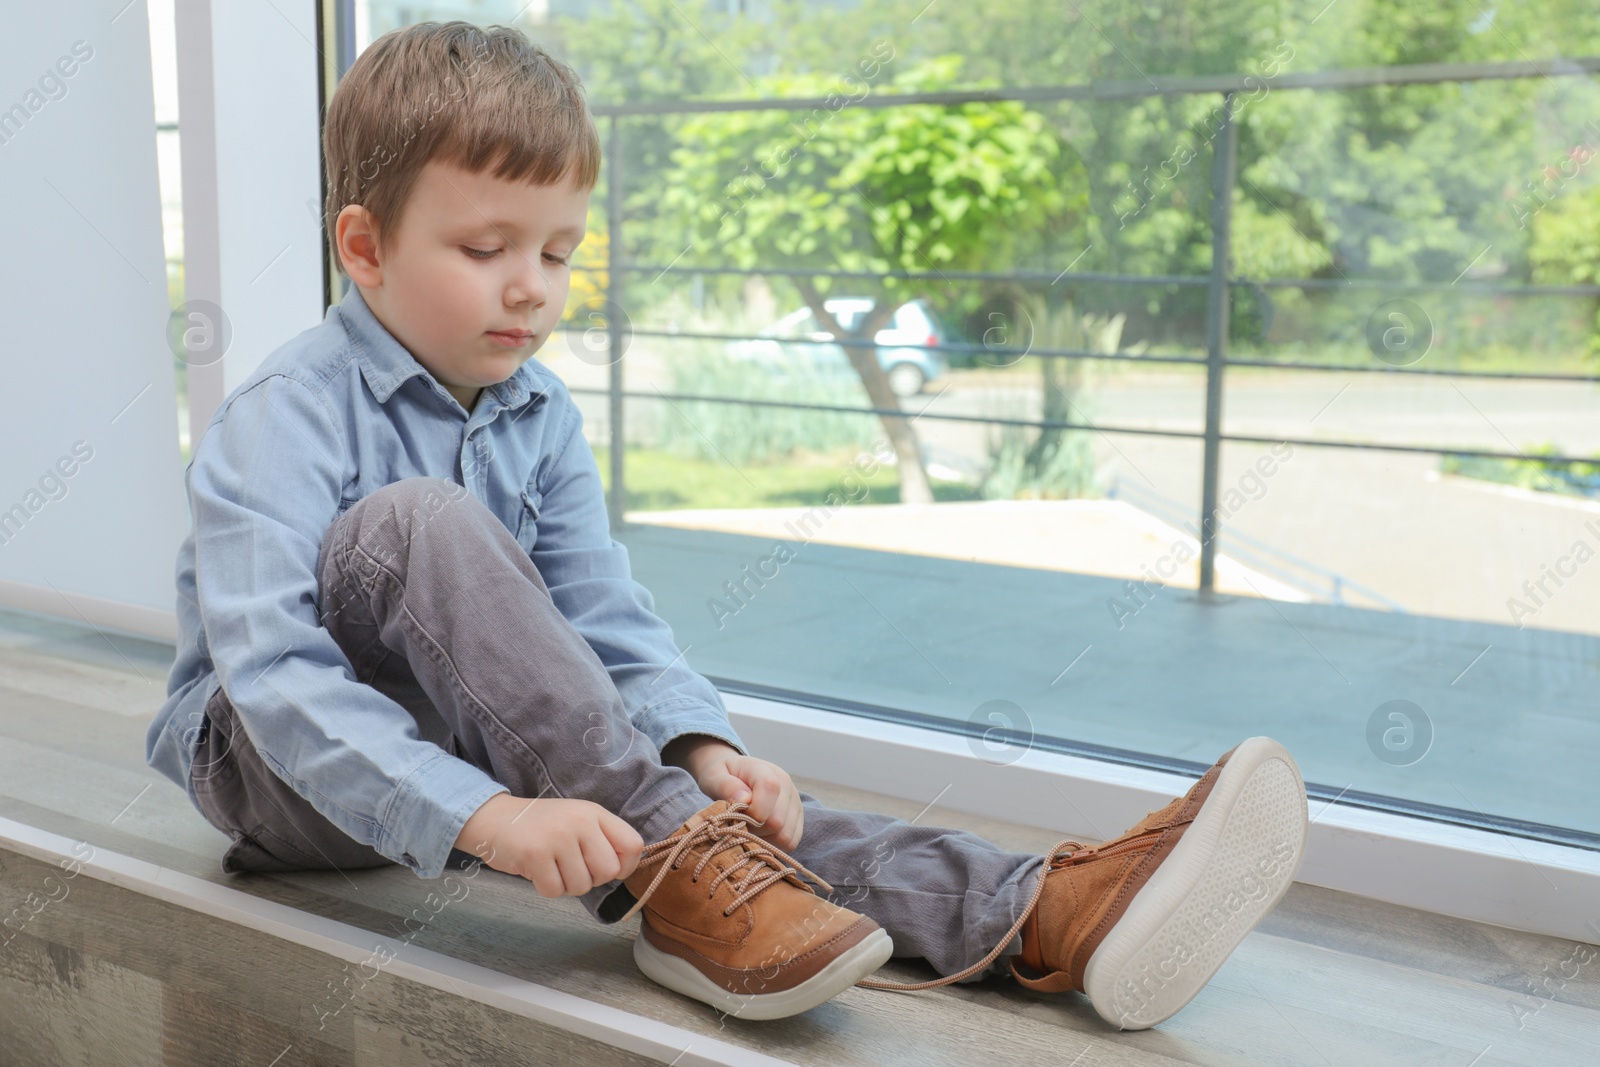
1219 282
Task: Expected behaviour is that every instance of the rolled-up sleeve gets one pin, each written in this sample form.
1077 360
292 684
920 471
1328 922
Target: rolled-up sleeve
263 489
590 580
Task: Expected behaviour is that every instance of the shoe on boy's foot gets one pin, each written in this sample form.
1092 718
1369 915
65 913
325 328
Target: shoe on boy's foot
727 921
1141 922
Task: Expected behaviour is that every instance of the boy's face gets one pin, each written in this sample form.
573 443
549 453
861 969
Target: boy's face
474 255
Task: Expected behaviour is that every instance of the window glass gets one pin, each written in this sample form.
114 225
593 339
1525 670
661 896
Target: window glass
1376 292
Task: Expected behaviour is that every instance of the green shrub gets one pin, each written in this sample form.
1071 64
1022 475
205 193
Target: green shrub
743 433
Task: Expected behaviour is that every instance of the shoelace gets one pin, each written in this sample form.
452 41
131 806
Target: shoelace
1063 855
772 864
1065 850
762 862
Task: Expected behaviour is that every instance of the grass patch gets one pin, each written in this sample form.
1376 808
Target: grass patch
661 481
1562 479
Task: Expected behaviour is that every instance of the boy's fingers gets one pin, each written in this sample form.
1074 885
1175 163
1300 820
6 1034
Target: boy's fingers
727 786
600 857
625 840
789 827
545 876
575 879
765 800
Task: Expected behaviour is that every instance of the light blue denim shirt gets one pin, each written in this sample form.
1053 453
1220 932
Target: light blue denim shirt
330 416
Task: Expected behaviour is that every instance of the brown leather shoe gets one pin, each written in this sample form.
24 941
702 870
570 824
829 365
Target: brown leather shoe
1141 922
727 921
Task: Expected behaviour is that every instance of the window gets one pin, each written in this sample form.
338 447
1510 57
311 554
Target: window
1264 402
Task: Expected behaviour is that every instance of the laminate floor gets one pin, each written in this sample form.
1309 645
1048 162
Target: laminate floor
1328 979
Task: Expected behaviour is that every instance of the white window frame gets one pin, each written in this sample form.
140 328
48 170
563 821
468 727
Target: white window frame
1515 882
251 141
249 175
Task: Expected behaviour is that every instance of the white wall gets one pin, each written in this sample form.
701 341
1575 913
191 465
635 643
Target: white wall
92 508
91 505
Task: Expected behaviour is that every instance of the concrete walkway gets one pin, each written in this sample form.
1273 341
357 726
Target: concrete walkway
1109 538
1500 720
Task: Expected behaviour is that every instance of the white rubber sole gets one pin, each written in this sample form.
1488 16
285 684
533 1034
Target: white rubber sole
1230 868
681 976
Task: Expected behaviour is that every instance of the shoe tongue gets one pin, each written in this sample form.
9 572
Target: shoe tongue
728 857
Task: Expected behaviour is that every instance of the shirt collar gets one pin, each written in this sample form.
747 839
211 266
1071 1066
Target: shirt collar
386 364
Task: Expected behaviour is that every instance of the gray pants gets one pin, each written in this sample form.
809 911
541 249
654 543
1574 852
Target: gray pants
470 590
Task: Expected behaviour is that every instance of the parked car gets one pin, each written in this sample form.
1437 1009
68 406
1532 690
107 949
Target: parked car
909 347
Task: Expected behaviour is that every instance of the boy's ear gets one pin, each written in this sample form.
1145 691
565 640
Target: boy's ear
355 235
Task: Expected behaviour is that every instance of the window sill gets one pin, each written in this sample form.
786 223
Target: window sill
1518 883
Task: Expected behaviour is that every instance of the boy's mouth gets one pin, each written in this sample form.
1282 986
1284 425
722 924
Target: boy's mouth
511 337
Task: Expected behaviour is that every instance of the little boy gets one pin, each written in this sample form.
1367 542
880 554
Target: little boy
406 634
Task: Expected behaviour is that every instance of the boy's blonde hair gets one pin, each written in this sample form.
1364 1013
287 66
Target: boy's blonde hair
459 93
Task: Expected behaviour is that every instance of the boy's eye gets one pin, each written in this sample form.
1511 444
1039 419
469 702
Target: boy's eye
482 253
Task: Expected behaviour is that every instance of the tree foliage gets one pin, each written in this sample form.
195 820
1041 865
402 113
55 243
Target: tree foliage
916 188
921 189
1397 183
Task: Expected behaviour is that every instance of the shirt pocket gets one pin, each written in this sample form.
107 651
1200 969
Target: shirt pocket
527 521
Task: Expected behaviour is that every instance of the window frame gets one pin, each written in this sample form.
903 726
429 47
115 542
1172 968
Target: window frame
1406 859
1533 886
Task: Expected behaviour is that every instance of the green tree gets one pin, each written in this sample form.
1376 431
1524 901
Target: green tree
1404 183
916 188
1399 182
1566 244
644 52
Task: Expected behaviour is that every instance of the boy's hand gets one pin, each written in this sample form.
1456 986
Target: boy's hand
724 774
564 847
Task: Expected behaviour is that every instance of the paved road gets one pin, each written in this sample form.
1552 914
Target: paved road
1387 520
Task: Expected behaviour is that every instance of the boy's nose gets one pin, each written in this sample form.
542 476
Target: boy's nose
529 285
